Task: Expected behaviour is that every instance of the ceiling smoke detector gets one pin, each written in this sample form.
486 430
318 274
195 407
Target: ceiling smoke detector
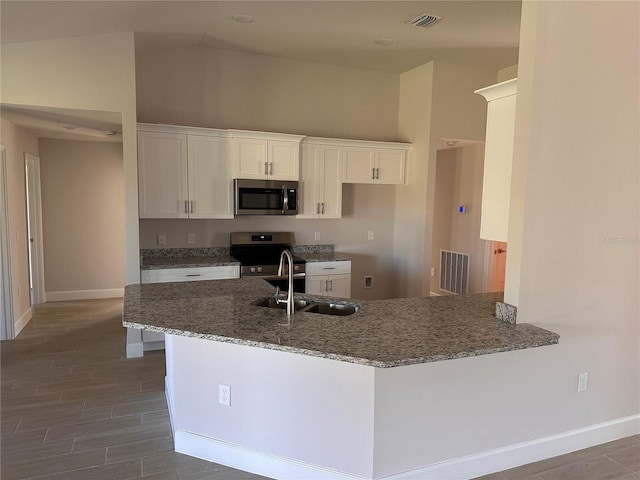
425 20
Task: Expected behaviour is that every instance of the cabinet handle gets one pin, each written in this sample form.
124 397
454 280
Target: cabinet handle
193 275
373 173
271 168
330 288
266 168
323 208
328 268
193 205
326 286
186 206
318 208
377 173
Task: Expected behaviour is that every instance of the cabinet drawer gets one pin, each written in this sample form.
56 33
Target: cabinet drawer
190 274
328 268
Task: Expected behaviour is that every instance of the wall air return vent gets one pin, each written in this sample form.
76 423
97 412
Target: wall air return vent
425 20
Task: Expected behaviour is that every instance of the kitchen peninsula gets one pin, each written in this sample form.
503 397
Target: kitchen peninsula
306 399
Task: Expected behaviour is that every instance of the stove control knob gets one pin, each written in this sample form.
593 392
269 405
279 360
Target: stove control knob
296 267
252 269
259 269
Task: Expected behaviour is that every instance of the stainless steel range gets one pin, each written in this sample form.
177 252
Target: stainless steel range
259 256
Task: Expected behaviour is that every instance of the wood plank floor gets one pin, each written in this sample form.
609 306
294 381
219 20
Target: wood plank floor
73 407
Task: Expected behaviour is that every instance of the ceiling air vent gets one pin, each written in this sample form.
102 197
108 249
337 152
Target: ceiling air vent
425 20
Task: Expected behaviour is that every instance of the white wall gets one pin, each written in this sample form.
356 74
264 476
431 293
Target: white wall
83 217
459 174
436 101
210 87
18 141
87 73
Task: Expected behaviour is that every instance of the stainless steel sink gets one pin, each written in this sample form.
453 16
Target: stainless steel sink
270 302
333 308
306 305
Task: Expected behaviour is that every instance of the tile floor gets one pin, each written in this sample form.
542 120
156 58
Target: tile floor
73 407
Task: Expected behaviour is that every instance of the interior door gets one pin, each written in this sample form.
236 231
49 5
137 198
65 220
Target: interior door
497 266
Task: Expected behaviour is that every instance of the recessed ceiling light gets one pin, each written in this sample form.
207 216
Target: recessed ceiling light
383 41
243 18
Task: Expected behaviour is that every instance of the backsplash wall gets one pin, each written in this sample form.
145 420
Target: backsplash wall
364 208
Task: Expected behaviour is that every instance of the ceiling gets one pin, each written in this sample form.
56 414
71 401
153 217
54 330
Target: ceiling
475 33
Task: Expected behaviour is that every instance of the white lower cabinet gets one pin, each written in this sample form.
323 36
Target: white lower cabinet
328 278
182 275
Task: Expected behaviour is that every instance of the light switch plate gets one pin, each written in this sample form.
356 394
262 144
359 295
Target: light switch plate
191 238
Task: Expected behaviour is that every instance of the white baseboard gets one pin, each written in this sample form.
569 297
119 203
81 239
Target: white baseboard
84 294
511 456
471 466
22 322
253 461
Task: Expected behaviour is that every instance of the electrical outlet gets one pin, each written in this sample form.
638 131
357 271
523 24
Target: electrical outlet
433 272
224 395
370 235
316 236
583 382
162 239
191 238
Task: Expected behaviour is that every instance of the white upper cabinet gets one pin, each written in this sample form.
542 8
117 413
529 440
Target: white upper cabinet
181 175
210 183
375 163
498 159
162 175
320 184
266 156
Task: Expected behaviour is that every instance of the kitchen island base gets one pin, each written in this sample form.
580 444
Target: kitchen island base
295 416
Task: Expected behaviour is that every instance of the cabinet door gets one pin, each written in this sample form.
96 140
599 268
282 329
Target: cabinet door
330 184
250 158
162 175
309 182
339 286
358 164
498 159
390 166
210 193
316 285
284 160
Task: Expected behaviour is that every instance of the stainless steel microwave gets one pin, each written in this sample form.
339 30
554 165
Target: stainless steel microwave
265 197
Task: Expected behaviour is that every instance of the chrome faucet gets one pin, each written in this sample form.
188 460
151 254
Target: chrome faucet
286 254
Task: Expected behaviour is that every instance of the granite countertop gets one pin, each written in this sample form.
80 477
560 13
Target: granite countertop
383 333
324 257
158 263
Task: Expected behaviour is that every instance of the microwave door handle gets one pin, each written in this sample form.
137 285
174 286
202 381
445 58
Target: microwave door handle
285 199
